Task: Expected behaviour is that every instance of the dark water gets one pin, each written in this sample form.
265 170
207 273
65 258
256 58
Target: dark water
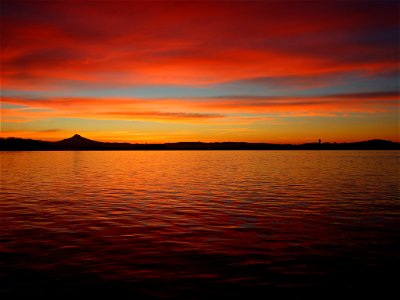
198 224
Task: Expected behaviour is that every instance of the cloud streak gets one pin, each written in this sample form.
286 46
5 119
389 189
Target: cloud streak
140 43
196 109
230 63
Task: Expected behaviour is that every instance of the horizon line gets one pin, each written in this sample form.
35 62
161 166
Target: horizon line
317 141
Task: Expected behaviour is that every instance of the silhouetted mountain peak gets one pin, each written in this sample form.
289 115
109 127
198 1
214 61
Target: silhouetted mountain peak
78 140
77 137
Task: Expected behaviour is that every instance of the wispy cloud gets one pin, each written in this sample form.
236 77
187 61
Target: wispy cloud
195 109
263 60
192 44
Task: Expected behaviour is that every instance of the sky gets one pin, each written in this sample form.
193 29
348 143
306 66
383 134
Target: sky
163 71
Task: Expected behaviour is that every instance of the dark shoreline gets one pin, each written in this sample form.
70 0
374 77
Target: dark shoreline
80 143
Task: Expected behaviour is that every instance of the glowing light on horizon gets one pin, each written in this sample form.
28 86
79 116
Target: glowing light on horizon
253 71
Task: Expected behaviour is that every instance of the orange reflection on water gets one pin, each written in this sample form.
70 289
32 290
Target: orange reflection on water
195 223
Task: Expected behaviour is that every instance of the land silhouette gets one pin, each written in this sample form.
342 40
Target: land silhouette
78 142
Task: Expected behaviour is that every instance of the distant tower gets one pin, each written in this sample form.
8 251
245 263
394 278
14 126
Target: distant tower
319 141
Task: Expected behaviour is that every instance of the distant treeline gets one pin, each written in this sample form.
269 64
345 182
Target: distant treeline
79 143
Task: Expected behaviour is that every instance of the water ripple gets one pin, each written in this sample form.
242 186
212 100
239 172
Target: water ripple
195 224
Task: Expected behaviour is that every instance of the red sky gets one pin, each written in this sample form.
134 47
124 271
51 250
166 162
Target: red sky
159 71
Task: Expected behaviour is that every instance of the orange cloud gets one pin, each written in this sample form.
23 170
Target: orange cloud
191 43
197 109
301 50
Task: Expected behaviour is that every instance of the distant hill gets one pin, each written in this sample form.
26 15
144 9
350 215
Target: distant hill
78 142
23 144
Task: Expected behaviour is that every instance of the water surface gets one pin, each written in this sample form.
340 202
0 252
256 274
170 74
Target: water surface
199 224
